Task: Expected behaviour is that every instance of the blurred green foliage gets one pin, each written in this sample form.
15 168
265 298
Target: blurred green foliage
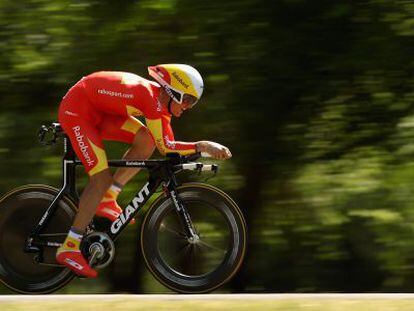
314 98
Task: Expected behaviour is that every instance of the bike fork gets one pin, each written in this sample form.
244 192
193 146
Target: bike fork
183 215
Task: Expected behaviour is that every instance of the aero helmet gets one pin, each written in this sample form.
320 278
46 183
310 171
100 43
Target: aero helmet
178 80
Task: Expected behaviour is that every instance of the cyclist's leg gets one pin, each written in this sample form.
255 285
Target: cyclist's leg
78 124
131 131
88 146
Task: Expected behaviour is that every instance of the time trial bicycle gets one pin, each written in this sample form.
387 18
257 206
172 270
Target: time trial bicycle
193 236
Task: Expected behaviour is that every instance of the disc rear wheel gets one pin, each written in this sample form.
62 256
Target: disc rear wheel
20 211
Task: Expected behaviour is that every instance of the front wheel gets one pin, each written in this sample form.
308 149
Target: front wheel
198 265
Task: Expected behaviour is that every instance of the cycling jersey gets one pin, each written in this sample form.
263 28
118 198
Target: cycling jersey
103 106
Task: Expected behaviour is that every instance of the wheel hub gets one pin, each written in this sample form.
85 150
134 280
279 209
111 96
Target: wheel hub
194 239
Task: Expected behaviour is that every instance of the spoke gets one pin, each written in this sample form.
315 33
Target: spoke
206 245
190 257
199 258
174 232
178 256
185 248
180 250
192 267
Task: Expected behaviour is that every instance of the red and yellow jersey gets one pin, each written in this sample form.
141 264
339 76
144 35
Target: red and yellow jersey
127 94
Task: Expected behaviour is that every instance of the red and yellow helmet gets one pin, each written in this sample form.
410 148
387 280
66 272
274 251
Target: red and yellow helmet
178 80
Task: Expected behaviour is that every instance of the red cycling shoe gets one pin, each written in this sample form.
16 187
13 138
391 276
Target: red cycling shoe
74 260
110 210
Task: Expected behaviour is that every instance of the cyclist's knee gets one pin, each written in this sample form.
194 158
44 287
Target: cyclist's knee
150 148
148 151
144 142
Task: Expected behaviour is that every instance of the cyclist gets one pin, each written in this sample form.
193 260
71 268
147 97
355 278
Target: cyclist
103 106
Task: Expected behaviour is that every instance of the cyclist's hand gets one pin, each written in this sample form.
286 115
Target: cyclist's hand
216 150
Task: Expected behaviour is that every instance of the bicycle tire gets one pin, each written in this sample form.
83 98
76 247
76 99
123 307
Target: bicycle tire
195 197
20 211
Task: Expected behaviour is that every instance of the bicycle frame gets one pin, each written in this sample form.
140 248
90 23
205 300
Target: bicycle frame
161 172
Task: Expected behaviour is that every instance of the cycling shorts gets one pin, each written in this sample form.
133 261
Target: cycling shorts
87 128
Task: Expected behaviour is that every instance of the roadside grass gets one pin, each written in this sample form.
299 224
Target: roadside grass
203 305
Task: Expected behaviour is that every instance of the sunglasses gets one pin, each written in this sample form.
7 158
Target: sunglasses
181 97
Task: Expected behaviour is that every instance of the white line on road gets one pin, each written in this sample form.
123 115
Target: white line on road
24 298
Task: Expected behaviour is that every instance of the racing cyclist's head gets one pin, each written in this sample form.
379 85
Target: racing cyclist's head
182 83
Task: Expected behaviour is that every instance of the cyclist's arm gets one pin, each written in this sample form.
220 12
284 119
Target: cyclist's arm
164 137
